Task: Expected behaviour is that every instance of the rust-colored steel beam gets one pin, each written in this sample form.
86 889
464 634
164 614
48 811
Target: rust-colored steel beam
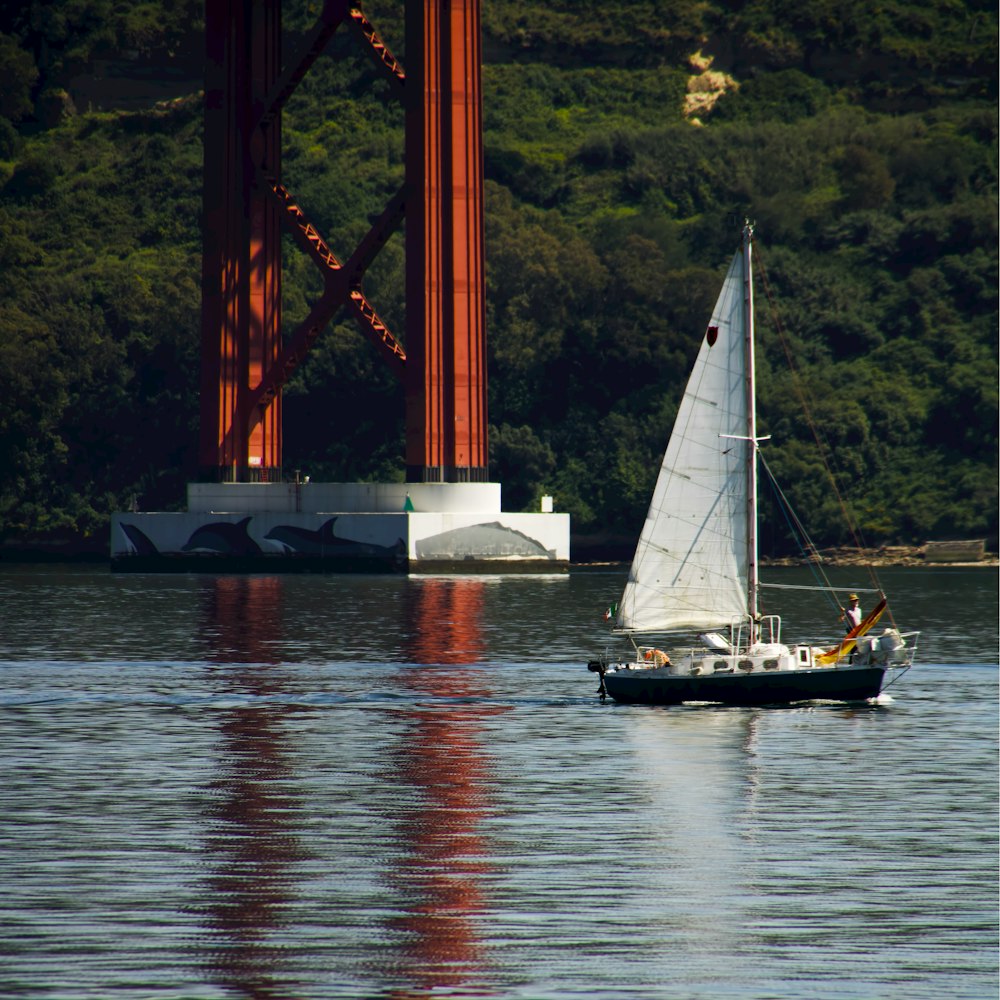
241 264
445 313
330 18
244 361
342 287
385 61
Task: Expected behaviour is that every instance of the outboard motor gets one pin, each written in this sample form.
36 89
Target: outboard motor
599 667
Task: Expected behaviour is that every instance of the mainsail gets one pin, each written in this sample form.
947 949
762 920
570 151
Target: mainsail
691 563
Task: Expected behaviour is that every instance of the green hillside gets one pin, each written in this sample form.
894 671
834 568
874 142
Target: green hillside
625 144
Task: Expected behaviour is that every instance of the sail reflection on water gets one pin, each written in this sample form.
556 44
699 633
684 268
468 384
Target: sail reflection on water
694 767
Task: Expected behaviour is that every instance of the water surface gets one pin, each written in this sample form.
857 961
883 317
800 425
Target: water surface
385 786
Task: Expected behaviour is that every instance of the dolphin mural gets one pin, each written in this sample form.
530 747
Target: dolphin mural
139 540
224 537
322 541
305 541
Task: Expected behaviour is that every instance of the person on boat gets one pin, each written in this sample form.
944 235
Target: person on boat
851 615
658 657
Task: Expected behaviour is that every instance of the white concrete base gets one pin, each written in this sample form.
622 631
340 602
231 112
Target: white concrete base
344 498
279 527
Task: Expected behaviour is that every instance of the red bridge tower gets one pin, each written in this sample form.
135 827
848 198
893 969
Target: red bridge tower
245 360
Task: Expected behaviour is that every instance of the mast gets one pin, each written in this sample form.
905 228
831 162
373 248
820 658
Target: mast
753 582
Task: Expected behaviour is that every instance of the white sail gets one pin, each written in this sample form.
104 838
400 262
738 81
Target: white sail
691 563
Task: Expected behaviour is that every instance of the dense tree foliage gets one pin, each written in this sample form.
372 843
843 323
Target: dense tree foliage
861 140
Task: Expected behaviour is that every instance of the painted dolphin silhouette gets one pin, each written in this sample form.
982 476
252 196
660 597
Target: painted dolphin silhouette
322 541
307 541
140 541
224 537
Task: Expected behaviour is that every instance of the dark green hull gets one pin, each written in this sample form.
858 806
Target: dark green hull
658 687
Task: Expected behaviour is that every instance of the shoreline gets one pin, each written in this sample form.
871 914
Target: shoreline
885 555
600 557
881 557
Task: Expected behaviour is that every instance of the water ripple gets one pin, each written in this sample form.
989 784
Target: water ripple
386 788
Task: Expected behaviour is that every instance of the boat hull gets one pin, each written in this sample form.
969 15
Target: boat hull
660 687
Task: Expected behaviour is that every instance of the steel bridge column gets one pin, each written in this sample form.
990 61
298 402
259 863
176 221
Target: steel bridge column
445 313
241 264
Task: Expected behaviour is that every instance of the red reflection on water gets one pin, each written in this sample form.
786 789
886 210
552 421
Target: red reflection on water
249 830
445 771
242 618
442 773
445 617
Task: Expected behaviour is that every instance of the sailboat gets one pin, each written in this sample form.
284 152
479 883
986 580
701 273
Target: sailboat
693 585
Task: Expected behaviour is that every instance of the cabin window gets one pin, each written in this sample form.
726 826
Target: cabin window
803 656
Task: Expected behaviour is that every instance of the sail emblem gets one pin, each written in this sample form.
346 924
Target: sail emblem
713 335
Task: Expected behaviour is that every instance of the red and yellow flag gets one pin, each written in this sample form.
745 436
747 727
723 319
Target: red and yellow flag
847 644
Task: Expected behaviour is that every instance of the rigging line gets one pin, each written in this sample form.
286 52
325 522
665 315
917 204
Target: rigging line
798 528
799 533
823 445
